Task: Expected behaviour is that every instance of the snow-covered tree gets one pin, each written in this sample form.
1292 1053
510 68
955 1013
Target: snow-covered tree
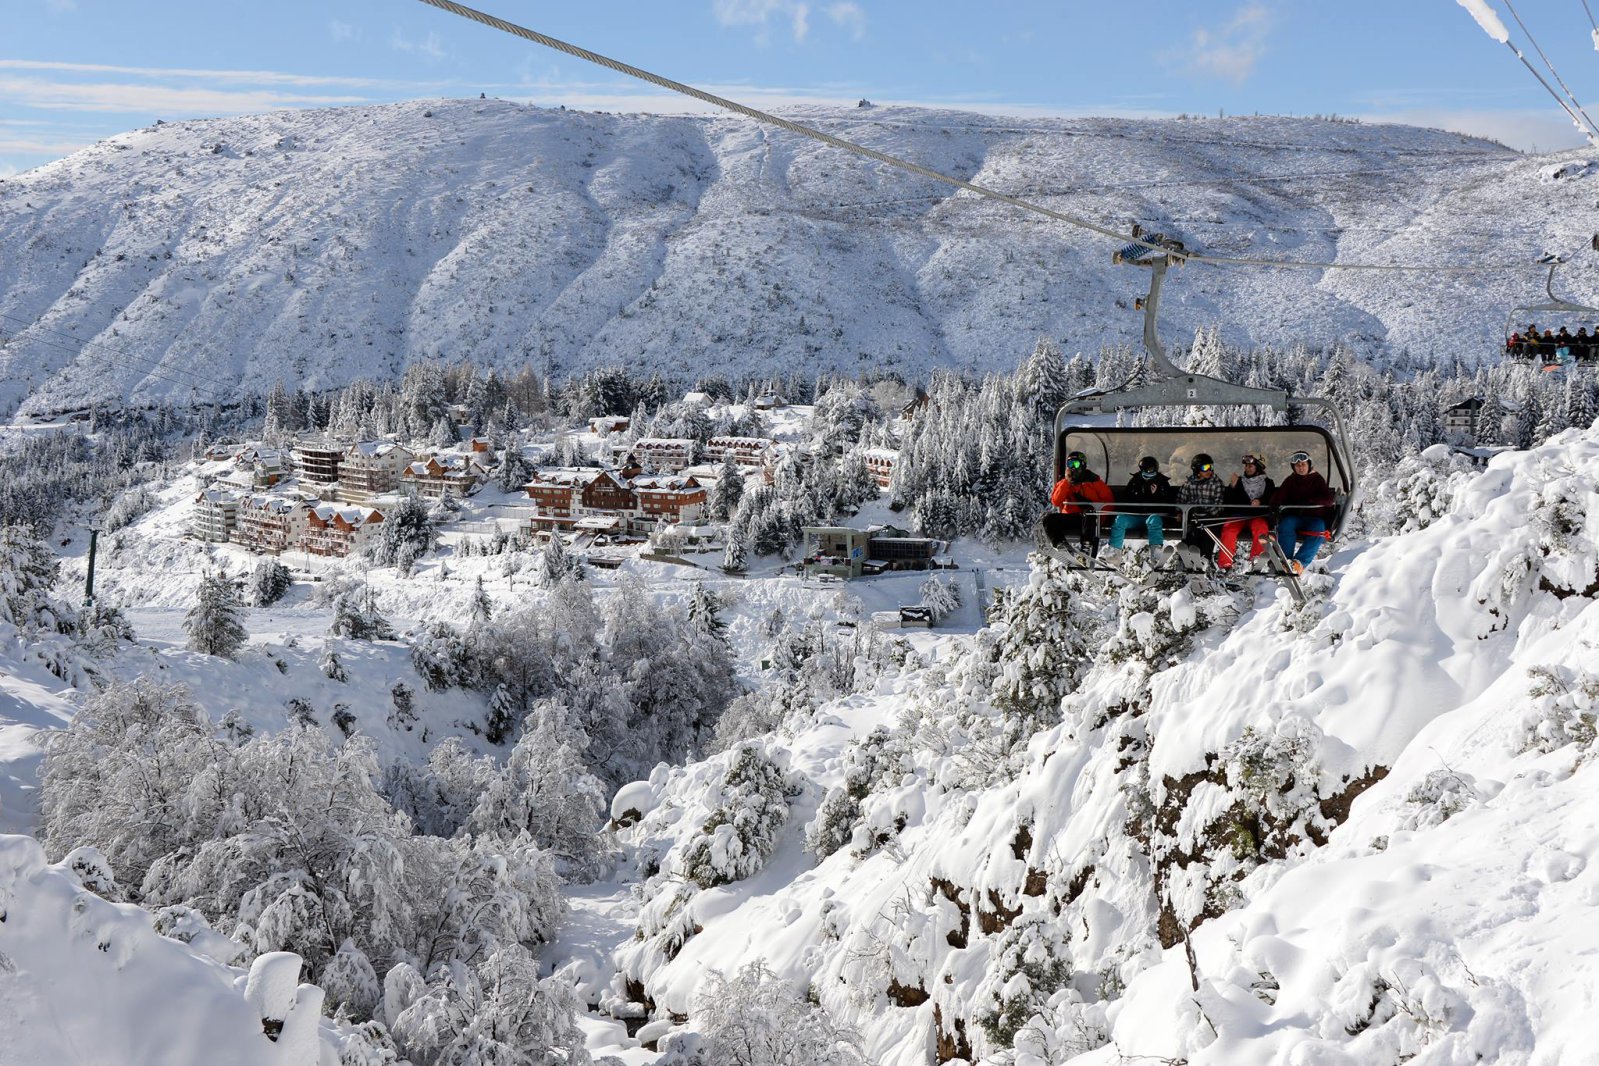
355 615
514 471
546 792
728 490
736 554
268 582
28 572
214 623
406 533
940 597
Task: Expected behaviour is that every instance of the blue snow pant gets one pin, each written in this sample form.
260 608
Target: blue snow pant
1294 534
1124 522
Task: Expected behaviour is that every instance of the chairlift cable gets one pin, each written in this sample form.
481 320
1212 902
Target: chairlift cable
1593 130
814 134
1592 21
125 360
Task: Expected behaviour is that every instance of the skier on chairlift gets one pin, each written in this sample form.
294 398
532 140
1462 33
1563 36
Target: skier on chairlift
1080 497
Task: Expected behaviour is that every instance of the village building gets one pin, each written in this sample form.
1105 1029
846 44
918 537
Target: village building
880 463
746 451
891 548
264 465
481 445
605 425
768 401
372 468
838 551
1461 419
337 530
317 461
663 455
271 524
669 498
436 476
556 494
607 494
215 515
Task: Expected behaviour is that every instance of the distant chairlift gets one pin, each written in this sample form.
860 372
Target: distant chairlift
1551 356
1092 423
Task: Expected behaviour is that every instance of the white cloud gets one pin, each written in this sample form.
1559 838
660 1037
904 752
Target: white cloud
252 77
762 13
175 101
341 31
849 15
430 46
1229 51
1525 131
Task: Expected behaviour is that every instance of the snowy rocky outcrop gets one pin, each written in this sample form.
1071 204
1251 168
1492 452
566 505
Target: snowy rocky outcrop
192 261
1359 829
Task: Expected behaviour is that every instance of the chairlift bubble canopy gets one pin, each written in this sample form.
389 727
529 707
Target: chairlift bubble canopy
1559 308
1094 422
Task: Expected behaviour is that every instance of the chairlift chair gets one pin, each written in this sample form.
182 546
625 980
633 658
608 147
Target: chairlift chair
1547 355
1093 422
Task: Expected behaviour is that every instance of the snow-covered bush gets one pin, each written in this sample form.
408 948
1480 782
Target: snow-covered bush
756 1019
1031 961
740 835
127 507
1564 710
495 1013
355 615
865 764
284 840
1439 796
1422 491
1046 633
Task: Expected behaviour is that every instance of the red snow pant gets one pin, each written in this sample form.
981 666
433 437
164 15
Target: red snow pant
1229 539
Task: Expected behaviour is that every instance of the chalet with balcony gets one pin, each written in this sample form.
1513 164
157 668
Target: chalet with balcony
271 524
439 475
880 463
372 468
264 465
215 515
317 461
669 498
334 529
662 455
746 451
557 494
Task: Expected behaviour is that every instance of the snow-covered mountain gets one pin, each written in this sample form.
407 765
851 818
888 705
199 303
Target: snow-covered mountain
202 259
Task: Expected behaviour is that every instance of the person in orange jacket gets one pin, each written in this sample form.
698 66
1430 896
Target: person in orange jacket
1080 498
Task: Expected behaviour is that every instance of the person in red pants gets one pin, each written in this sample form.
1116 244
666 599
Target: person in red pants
1247 489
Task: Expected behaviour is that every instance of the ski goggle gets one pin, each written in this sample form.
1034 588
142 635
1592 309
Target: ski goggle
1074 464
1299 457
1149 475
1249 460
1198 467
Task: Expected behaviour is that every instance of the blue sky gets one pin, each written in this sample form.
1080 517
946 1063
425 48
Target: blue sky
74 71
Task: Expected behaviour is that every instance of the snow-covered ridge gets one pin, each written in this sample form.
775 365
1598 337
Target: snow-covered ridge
154 998
1357 831
318 247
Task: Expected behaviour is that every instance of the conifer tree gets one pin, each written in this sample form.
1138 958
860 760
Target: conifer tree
214 622
729 489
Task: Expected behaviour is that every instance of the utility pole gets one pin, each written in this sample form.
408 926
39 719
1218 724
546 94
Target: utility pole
88 581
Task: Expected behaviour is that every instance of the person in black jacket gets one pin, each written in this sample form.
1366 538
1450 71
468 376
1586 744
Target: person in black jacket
1251 488
1145 488
1305 498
